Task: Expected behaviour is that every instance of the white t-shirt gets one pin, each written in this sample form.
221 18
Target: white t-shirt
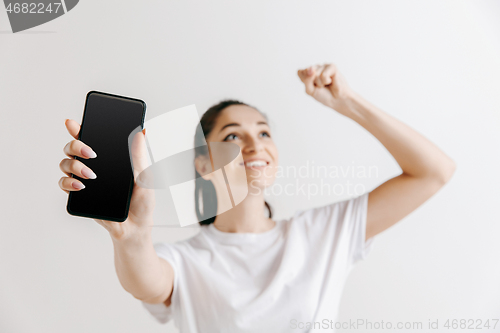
275 281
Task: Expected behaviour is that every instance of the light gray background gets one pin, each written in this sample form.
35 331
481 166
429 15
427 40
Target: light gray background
432 64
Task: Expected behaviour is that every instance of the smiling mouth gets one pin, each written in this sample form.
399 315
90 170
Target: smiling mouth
255 164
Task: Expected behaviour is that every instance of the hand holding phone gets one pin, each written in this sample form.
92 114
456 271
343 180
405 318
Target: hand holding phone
141 204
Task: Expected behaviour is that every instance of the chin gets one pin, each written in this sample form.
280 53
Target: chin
258 184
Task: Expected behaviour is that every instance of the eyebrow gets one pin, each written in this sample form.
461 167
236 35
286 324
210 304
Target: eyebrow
236 124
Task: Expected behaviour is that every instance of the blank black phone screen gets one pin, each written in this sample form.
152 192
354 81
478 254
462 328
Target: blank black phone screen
108 120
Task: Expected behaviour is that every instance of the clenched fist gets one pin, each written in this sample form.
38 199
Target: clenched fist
327 85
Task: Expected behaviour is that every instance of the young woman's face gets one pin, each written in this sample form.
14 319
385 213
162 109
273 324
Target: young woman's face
247 127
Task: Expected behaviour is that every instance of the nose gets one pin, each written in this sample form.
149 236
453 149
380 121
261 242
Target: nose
252 145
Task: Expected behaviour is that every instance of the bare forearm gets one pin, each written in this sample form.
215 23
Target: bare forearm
139 269
416 155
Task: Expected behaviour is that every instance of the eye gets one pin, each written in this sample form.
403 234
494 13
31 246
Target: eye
265 134
230 137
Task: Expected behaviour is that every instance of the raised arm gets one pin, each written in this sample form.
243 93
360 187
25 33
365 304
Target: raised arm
425 167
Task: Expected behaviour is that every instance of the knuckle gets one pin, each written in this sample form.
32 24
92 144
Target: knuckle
73 146
65 165
62 182
74 165
61 164
66 148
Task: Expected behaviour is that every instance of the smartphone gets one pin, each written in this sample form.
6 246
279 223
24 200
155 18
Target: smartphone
108 121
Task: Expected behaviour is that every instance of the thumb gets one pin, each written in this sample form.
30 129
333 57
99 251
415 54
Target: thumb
307 77
139 154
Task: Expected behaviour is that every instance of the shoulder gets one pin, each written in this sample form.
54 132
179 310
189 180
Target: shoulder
340 226
182 248
326 211
334 214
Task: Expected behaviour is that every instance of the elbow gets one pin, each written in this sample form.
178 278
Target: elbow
447 171
156 299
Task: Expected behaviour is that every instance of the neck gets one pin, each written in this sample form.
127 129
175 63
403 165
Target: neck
248 216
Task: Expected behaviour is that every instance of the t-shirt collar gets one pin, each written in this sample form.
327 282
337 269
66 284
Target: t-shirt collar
241 237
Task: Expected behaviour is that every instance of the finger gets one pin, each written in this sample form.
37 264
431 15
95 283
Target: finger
307 77
78 148
327 74
139 154
318 69
317 82
73 127
303 74
70 184
72 166
101 222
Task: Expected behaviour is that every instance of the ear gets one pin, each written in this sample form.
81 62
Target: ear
203 166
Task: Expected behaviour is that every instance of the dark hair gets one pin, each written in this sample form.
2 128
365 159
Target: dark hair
203 187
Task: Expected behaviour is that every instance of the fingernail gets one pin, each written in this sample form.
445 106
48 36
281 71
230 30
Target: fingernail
144 131
88 173
87 152
78 185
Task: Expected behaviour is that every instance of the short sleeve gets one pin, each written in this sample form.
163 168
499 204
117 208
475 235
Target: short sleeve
339 229
161 312
357 208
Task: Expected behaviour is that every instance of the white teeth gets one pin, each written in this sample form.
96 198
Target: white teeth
256 163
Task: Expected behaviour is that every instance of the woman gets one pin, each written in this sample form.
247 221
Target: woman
245 272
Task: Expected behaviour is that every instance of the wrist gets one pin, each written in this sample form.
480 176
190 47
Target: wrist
137 236
362 111
345 103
